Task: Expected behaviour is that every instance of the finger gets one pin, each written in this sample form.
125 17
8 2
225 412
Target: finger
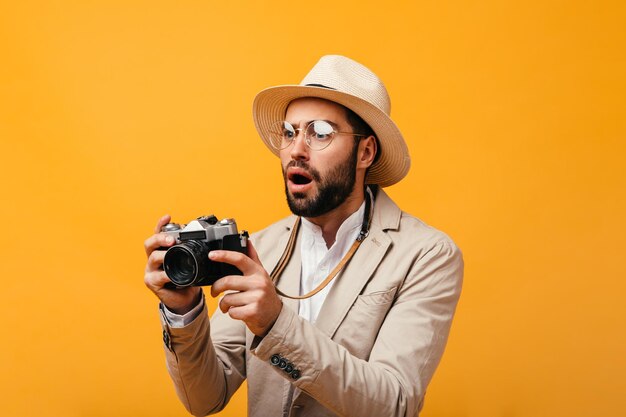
235 299
155 280
155 260
165 219
241 312
231 283
252 253
238 259
157 241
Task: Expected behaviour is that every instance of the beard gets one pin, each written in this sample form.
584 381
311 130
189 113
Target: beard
332 189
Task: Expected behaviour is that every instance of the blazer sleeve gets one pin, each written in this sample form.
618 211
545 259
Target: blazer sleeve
206 361
409 345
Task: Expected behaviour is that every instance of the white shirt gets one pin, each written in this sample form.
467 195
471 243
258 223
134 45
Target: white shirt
317 262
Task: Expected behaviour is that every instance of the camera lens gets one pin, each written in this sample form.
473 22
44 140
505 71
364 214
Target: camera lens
183 262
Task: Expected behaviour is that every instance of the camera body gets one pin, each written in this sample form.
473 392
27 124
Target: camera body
187 262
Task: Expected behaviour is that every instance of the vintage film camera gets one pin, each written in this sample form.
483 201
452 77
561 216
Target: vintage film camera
187 263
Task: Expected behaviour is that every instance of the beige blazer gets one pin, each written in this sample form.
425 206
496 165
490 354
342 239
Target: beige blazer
373 350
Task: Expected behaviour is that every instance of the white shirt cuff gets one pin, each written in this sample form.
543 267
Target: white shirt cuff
181 320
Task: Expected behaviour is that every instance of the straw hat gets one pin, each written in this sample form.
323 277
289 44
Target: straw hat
344 81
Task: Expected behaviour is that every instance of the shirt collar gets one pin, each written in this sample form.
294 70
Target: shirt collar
346 232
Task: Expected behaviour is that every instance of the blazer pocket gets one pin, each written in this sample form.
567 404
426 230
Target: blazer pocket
360 327
376 298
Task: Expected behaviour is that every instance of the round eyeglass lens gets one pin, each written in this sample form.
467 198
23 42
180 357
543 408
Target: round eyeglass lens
281 135
320 134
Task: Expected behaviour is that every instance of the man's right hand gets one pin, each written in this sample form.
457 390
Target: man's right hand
179 301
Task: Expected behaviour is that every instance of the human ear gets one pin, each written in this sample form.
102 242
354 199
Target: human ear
367 151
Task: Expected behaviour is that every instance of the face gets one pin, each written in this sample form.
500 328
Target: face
317 182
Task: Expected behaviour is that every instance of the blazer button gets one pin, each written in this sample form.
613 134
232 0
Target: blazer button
275 359
288 368
295 374
167 340
283 363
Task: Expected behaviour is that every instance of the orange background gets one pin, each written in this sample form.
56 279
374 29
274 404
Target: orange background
115 112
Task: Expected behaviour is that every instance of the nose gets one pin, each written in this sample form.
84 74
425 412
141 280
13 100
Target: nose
299 148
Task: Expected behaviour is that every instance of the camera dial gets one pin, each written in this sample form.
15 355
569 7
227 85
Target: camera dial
211 219
170 227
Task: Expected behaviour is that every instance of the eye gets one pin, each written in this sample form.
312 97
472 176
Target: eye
321 130
288 131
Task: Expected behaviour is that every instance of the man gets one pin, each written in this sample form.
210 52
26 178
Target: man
363 341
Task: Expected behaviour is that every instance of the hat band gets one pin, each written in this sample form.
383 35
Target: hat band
319 85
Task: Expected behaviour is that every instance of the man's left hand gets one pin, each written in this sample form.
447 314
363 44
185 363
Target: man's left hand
255 302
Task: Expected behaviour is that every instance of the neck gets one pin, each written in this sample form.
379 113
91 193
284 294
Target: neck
331 221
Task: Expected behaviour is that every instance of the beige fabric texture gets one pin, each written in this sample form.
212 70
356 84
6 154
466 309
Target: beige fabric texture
373 350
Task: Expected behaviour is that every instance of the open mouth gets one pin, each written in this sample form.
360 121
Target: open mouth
299 177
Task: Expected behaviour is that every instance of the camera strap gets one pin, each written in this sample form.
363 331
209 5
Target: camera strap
288 252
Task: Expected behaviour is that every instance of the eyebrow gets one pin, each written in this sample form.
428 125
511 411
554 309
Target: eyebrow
305 124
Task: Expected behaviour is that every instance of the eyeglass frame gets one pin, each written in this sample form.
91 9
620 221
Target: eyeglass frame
307 139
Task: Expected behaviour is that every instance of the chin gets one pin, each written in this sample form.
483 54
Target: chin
298 196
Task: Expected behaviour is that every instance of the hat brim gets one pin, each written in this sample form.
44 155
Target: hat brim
393 163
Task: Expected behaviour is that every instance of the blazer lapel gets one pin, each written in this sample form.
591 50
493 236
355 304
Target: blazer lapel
272 254
350 282
289 280
357 273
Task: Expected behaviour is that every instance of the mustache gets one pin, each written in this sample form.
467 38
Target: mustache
303 165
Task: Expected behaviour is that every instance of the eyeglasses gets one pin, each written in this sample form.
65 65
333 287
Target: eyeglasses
317 135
